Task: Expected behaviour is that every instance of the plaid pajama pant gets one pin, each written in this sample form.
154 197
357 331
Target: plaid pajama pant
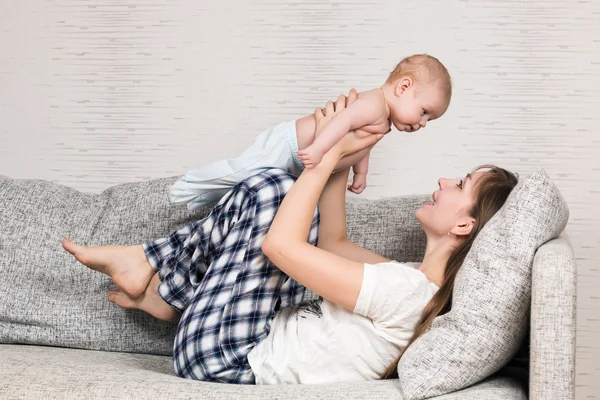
214 272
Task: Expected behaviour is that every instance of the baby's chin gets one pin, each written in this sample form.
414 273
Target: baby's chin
402 127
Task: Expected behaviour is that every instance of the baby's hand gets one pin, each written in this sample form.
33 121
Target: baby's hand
359 183
311 156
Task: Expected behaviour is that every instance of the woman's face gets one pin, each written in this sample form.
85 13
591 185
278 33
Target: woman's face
447 211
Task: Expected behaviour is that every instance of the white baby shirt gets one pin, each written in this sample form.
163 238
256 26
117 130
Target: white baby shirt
321 342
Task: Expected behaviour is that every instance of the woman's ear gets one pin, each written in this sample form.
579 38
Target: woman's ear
402 85
463 227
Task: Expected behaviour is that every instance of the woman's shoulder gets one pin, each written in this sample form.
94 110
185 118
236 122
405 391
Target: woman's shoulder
406 273
392 292
393 265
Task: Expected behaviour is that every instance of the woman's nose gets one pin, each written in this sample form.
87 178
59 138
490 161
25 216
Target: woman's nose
443 182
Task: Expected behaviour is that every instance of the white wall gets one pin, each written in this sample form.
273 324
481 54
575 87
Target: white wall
93 94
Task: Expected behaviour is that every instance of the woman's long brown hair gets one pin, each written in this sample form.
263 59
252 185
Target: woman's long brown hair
491 191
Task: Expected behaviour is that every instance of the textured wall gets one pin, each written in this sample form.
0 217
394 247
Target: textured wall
96 93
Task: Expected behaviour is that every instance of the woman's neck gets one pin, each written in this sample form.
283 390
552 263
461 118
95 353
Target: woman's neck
435 259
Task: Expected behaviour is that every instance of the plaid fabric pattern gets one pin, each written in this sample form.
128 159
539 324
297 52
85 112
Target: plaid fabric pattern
215 273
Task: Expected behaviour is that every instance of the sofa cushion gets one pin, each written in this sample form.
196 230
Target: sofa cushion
37 372
491 298
49 298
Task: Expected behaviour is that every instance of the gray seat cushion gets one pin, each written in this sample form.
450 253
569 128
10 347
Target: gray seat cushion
37 372
491 298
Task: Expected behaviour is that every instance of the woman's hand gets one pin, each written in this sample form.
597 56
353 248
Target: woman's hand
324 115
351 142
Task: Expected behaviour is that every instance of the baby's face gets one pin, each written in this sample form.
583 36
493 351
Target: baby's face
415 105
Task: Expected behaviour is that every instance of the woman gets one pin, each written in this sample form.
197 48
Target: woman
236 279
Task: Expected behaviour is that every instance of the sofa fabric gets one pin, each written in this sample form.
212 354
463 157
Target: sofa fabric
70 374
61 338
553 310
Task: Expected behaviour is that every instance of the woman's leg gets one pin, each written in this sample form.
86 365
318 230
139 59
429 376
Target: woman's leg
230 291
149 301
229 304
127 266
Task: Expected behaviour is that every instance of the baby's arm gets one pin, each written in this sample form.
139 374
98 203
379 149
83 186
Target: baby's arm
359 180
364 111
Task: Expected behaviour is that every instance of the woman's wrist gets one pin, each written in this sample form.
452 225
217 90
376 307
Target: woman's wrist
331 158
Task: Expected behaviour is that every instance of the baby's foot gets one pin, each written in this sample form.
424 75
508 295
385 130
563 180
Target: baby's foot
127 266
149 301
311 156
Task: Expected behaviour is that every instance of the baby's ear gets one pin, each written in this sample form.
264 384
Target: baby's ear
402 85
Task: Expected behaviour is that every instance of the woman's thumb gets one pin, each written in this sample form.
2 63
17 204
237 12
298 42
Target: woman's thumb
375 138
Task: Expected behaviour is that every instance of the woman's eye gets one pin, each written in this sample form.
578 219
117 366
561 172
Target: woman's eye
425 112
460 184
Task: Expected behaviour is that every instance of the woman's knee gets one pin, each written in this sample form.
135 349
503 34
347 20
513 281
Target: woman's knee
272 181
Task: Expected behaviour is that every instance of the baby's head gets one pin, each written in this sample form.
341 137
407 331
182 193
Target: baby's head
417 91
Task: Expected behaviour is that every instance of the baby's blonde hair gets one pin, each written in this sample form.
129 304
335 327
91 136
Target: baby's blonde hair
424 69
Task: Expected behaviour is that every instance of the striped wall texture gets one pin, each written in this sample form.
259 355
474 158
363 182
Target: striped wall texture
97 93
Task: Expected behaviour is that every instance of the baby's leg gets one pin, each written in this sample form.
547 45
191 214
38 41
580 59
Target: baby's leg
208 184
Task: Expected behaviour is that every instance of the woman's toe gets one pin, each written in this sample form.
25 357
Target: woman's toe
121 299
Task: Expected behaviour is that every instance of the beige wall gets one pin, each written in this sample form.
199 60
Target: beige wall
93 94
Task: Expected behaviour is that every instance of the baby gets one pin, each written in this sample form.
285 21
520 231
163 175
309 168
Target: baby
416 92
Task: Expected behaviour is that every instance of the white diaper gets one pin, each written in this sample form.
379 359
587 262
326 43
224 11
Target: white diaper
275 147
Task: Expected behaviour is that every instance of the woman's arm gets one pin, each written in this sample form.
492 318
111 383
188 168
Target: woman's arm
332 207
332 227
327 274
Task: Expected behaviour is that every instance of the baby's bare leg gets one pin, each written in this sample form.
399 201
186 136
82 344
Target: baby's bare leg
149 301
127 266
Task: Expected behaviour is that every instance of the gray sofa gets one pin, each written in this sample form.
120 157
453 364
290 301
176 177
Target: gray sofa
60 338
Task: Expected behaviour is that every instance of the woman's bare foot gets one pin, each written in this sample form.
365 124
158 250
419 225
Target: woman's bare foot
127 266
149 301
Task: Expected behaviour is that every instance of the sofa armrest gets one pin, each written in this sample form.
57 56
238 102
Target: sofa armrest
553 301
